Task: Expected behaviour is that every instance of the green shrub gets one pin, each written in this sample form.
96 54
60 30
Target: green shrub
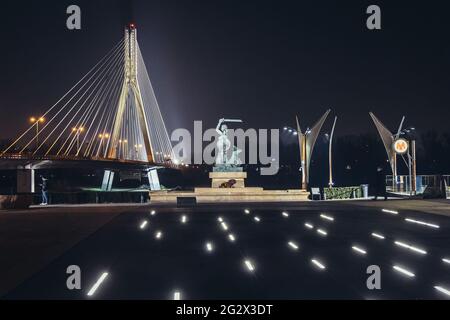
342 193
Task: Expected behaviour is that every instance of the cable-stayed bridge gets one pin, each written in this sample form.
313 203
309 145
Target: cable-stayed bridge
110 115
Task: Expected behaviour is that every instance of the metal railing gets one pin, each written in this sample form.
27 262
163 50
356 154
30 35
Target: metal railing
446 179
424 183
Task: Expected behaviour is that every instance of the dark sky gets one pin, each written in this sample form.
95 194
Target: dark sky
261 61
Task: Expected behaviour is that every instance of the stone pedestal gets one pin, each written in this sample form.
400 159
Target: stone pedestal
231 195
217 178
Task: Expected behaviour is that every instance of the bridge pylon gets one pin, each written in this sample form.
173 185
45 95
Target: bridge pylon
130 90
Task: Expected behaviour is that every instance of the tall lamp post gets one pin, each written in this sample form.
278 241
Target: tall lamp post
330 159
36 121
407 145
306 141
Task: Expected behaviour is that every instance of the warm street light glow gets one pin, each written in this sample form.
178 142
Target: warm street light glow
80 129
35 119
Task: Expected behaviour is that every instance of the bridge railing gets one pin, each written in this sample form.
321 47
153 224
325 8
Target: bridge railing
29 156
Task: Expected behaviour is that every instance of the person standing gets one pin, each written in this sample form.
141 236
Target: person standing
380 184
44 191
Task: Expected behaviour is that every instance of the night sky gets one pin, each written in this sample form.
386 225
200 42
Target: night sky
261 61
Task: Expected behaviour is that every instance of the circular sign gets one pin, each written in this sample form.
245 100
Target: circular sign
401 146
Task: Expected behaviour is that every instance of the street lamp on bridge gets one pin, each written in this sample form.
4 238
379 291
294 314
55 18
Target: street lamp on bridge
35 121
77 131
102 136
123 148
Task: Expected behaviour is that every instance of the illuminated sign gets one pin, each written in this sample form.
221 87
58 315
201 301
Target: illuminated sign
401 146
